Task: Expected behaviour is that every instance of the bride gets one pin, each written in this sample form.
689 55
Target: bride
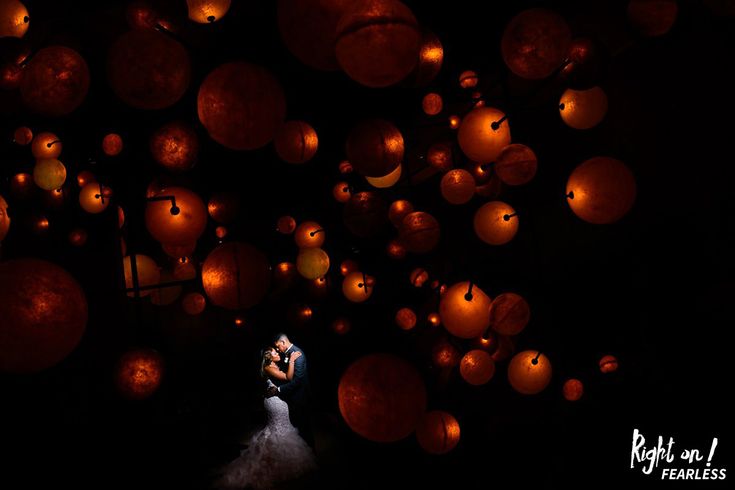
276 453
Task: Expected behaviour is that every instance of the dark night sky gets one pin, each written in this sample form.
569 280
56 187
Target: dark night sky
654 289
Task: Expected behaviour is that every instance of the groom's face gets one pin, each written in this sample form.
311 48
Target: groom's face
281 345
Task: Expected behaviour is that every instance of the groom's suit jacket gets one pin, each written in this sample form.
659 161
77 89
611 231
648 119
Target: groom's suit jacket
296 391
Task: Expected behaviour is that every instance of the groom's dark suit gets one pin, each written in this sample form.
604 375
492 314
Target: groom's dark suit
297 394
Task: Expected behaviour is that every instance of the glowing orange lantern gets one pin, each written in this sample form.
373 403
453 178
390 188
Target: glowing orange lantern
78 237
438 432
365 214
341 192
239 321
147 271
286 225
296 142
444 354
112 144
573 389
434 319
375 147
382 397
395 249
185 269
55 82
46 145
483 134
583 109
454 121
23 135
345 167
468 79
516 165
49 174
347 266
356 287
4 218
608 364
284 275
194 303
387 180
406 318
178 223
432 104
309 234
509 314
85 177
220 232
496 223
464 310
431 57
14 19
652 17
21 186
419 277
601 190
457 186
236 276
341 326
477 367
241 105
91 198
44 312
139 373
529 372
312 262
398 210
419 232
207 11
224 207
175 146
440 156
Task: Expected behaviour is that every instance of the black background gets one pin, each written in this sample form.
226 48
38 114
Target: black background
654 289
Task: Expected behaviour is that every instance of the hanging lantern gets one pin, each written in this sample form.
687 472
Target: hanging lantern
112 144
284 275
21 186
178 251
286 225
91 199
239 321
357 287
175 146
365 214
437 432
516 165
419 232
224 207
652 17
148 70
399 210
454 121
483 134
481 172
464 310
573 389
139 373
341 326
382 397
378 42
608 364
318 288
296 142
185 269
241 105
583 109
345 167
55 82
431 57
166 295
535 43
4 218
78 237
432 104
341 192
440 156
207 11
457 186
418 277
601 190
477 367
236 275
23 135
309 234
509 314
444 354
220 232
406 318
85 177
180 222
14 19
193 303
46 145
387 180
49 174
148 273
434 319
347 266
44 315
529 372
395 250
141 15
312 262
375 147
586 64
496 223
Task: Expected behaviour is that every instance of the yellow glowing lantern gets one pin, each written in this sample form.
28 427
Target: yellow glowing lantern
608 364
375 147
166 295
312 262
516 165
406 318
14 19
573 389
112 144
468 79
194 303
46 145
49 174
147 271
496 223
4 218
309 234
483 134
434 319
457 186
286 225
398 210
284 275
438 432
509 314
601 190
91 198
432 104
529 372
477 367
296 142
464 310
207 11
85 177
357 287
23 135
236 275
387 180
341 192
419 232
139 373
440 156
583 109
176 221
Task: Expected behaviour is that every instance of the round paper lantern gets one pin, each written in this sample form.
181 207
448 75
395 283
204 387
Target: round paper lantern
166 295
440 156
341 192
284 275
345 167
509 314
14 19
477 367
375 147
296 142
224 207
468 79
378 42
78 237
178 224
516 165
46 145
434 319
481 173
312 262
220 232
85 177
300 315
529 372
387 180
148 70
395 250
21 186
141 15
148 273
437 432
10 76
431 57
185 269
535 43
309 234
483 134
573 389
139 373
178 251
55 82
365 214
444 354
382 397
586 64
347 266
418 277
44 314
583 109
356 287
601 190
4 218
319 287
464 309
112 144
49 174
241 105
207 11
236 275
399 210
175 146
432 104
608 364
193 304
23 135
457 186
286 225
454 121
91 199
341 326
406 318
419 232
652 17
496 223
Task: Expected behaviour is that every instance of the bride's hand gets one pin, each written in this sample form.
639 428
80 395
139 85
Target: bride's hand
295 355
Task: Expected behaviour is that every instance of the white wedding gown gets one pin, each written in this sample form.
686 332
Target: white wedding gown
275 454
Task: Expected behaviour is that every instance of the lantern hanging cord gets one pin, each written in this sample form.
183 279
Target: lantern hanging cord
174 208
100 196
495 125
468 296
534 361
313 233
507 217
52 143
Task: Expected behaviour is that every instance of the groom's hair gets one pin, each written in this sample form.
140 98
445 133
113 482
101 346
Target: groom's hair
280 336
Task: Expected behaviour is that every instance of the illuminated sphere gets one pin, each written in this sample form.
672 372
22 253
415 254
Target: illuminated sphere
444 354
46 145
509 314
603 190
296 142
440 156
91 199
437 432
529 372
468 79
309 234
365 214
21 186
236 276
148 70
395 250
432 104
55 82
112 144
399 210
406 318
286 225
141 15
388 180
477 138
375 147
378 42
312 263
586 63
516 165
10 76
193 303
241 105
454 121
177 229
4 218
345 167
166 295
341 192
284 275
139 373
477 367
573 389
49 174
356 287
419 232
583 109
175 146
608 364
23 135
457 186
462 315
78 237
535 43
148 273
85 177
224 207
431 57
652 17
220 232
382 397
207 11
14 19
44 315
491 225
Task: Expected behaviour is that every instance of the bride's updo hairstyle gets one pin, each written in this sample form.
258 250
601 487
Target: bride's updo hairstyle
267 359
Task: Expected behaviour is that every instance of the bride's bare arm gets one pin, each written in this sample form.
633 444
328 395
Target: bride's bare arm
294 356
276 373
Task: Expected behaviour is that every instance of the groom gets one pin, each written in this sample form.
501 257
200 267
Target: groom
296 392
